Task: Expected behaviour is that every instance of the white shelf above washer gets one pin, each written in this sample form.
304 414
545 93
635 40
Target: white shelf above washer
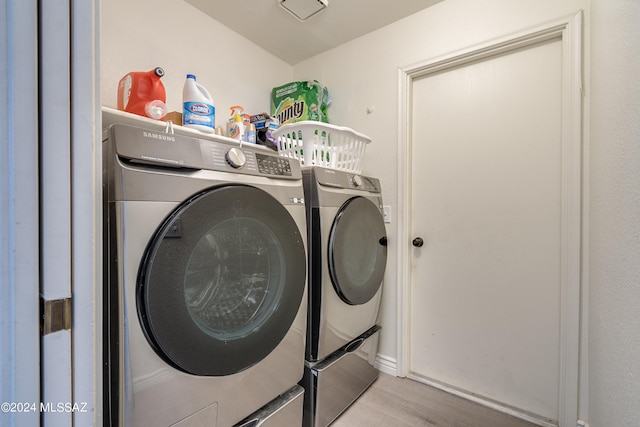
111 116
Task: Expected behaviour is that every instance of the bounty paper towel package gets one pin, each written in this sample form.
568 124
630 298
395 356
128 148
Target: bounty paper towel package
298 101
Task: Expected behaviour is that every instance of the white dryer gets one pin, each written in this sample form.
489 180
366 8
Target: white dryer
205 281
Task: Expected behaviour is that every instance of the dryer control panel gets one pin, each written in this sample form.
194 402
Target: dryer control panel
339 179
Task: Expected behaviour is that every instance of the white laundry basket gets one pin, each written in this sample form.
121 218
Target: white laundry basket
322 144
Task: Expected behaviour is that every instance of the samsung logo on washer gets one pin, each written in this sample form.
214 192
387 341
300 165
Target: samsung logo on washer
159 136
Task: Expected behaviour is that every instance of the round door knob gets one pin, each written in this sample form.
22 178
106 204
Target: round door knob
236 158
417 242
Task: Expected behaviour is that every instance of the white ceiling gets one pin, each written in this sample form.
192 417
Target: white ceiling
271 27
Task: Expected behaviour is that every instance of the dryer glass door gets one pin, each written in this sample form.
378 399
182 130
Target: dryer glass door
357 251
221 281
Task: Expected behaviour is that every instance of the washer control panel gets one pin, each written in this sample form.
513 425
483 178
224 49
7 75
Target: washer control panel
144 147
270 165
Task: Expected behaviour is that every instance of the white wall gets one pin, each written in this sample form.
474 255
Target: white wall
614 274
364 74
143 34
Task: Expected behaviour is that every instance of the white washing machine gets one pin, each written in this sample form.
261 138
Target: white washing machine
347 254
205 282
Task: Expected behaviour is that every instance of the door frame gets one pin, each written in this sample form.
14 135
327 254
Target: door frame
573 251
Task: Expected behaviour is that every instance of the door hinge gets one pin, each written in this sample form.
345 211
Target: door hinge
56 315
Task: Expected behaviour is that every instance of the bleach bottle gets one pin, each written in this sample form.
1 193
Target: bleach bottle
198 111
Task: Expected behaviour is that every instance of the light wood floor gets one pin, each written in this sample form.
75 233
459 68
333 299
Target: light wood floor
400 402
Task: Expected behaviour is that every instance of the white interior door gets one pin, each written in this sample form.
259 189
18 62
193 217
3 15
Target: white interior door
485 287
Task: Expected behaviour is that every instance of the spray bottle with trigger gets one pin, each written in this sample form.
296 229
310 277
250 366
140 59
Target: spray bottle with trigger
236 127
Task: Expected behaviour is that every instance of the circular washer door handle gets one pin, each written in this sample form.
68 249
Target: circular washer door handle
417 242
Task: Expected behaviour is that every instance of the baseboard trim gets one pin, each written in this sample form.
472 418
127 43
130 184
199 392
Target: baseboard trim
515 412
387 365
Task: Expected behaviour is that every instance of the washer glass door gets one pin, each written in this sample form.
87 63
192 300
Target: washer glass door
221 281
357 251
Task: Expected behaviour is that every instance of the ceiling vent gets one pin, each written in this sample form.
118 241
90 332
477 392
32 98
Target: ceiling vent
303 9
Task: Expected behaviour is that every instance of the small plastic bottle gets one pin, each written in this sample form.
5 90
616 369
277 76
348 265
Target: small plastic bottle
250 133
198 111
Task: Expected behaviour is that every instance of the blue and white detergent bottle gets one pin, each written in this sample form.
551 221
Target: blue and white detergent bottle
198 111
